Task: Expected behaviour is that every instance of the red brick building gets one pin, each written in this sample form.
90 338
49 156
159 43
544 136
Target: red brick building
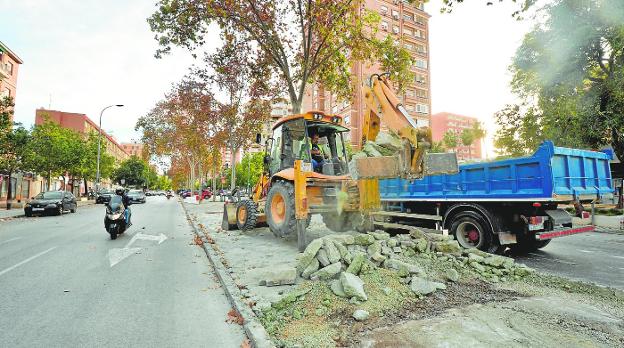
408 25
445 121
133 149
9 66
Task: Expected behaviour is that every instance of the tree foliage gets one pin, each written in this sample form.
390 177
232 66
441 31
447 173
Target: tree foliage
133 172
298 41
249 169
450 139
569 71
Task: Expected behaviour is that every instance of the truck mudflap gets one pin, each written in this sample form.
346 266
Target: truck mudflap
563 232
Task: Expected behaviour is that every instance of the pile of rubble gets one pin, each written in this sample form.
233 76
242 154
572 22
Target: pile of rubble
340 258
386 144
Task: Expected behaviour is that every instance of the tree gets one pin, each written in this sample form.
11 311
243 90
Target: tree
570 71
132 172
6 112
469 135
13 154
299 41
437 147
250 167
450 140
53 150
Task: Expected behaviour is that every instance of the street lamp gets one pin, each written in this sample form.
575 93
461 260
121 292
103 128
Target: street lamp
97 175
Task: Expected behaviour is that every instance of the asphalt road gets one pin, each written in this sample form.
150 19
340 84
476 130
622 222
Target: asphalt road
58 288
596 257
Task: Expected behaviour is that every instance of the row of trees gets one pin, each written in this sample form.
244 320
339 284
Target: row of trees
569 76
270 49
468 136
48 150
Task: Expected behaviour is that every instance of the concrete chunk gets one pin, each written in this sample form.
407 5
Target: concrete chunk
327 273
353 286
309 254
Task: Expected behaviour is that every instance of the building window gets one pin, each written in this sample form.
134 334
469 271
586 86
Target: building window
419 20
395 14
409 92
10 68
421 63
409 107
383 10
420 78
6 92
422 108
421 93
384 26
421 49
408 32
408 16
395 29
409 46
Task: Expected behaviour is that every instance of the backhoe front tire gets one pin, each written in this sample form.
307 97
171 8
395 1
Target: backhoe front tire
280 209
246 214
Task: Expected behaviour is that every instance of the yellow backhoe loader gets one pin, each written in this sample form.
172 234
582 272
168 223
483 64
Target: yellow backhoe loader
306 168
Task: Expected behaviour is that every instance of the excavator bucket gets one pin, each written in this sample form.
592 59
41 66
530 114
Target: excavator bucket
229 217
396 166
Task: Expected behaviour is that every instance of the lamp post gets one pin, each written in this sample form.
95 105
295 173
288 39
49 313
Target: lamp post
97 174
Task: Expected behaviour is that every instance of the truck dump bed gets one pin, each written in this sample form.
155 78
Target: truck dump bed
551 174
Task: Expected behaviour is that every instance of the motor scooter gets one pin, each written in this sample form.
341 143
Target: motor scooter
169 195
115 218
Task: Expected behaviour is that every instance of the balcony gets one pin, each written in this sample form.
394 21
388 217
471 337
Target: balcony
5 73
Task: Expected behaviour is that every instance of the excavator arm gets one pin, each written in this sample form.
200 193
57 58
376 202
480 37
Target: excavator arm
413 162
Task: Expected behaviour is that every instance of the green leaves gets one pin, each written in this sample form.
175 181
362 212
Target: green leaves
134 172
570 72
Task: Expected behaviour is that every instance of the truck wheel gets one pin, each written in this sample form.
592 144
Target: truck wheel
472 232
246 214
336 222
280 209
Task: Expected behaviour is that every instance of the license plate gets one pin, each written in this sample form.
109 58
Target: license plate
536 227
113 225
37 209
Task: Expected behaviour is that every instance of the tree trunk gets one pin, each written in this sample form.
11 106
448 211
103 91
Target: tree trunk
296 107
233 162
49 180
9 191
86 188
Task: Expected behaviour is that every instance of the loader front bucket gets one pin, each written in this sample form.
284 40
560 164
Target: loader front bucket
229 217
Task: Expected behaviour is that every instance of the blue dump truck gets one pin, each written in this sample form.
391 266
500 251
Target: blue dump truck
508 203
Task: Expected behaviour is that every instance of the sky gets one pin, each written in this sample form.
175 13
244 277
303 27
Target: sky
80 56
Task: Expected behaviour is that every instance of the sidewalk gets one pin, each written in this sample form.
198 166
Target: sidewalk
602 222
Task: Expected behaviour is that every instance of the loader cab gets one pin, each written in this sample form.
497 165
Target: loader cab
293 139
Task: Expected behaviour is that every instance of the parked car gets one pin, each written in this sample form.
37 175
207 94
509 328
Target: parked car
136 196
104 196
54 202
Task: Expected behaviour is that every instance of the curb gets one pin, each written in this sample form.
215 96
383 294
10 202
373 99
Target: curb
256 333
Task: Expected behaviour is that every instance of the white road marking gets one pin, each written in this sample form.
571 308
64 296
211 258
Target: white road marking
585 251
25 261
10 240
116 255
617 257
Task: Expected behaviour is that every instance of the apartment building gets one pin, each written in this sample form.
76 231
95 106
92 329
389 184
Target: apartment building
443 122
9 66
408 25
134 149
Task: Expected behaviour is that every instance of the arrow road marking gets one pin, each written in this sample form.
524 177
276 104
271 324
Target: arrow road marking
116 255
25 261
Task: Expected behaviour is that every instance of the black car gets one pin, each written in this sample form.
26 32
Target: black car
136 196
51 202
104 196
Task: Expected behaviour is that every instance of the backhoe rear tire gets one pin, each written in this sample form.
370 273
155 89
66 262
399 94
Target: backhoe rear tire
246 214
280 209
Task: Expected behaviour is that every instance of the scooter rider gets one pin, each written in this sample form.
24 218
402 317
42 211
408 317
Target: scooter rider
120 191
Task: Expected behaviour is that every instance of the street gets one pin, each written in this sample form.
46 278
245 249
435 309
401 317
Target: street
596 257
63 282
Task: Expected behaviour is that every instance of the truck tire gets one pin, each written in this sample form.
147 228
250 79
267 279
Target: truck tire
280 209
472 231
246 214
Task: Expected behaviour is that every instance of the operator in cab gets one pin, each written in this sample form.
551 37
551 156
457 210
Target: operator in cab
120 191
316 151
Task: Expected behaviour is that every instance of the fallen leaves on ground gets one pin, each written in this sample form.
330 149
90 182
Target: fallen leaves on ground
198 241
234 317
245 344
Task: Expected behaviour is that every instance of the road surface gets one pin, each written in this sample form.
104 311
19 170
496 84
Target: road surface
596 257
63 282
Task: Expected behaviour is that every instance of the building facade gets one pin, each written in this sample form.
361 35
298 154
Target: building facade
408 25
444 121
134 149
9 66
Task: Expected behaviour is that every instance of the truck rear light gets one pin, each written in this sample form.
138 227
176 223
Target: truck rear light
585 215
537 204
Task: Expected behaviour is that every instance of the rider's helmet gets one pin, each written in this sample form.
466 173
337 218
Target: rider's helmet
120 191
